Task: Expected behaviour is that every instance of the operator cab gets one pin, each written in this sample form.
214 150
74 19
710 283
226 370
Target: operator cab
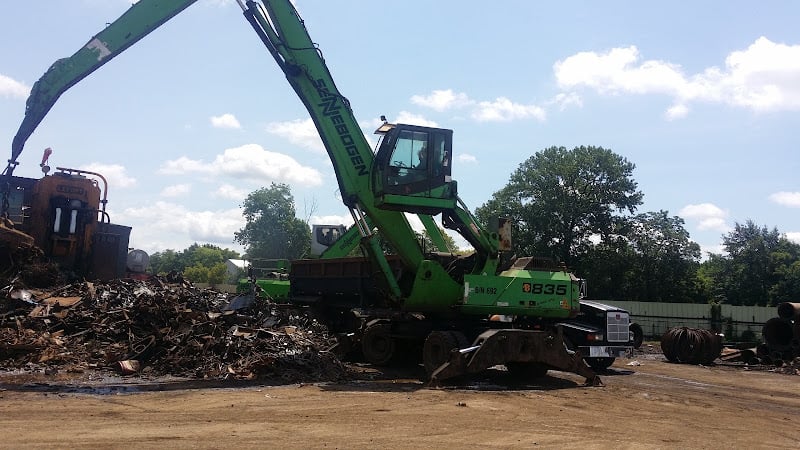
413 165
324 236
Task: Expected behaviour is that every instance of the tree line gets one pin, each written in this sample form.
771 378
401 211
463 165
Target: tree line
199 263
579 207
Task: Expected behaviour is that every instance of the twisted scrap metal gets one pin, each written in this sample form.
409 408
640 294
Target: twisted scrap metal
168 327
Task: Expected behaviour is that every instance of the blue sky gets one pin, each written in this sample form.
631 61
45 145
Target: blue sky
703 97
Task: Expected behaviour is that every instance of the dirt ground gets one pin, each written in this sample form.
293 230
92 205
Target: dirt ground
652 405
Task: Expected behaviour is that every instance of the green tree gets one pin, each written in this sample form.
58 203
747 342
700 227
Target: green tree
207 255
649 258
761 267
272 230
665 261
196 255
608 269
559 199
749 249
713 276
217 273
425 241
196 274
163 262
787 269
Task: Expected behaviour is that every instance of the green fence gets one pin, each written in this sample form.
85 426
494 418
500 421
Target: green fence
736 322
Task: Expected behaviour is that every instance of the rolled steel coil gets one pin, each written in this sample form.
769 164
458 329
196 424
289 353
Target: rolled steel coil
778 334
788 310
691 345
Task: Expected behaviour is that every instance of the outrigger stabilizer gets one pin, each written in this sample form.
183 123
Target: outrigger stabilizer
544 349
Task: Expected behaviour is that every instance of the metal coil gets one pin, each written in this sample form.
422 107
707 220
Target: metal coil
788 310
778 334
691 345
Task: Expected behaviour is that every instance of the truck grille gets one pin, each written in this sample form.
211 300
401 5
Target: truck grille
617 326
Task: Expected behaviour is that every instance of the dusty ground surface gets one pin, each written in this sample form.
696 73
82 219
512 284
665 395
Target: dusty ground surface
652 405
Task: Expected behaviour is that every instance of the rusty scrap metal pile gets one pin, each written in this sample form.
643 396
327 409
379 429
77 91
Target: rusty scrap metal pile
781 346
159 327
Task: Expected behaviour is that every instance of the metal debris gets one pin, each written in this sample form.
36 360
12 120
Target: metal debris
781 336
781 343
162 326
691 345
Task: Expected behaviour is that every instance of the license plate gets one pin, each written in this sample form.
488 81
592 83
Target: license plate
598 351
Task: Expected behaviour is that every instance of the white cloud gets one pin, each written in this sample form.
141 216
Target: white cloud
708 217
793 236
225 121
301 132
702 210
676 112
415 119
251 161
713 224
612 72
161 222
500 109
115 174
176 190
12 88
230 192
565 99
503 110
182 166
248 162
761 77
441 100
790 199
717 249
467 158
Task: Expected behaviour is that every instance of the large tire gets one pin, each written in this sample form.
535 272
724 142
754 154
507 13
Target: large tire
377 344
638 335
600 363
437 347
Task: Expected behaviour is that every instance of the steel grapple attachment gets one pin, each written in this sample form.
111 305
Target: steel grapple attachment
494 347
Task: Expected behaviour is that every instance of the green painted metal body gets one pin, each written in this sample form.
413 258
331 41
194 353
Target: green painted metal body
274 289
522 293
271 277
434 233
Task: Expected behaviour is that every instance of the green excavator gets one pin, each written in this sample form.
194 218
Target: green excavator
459 314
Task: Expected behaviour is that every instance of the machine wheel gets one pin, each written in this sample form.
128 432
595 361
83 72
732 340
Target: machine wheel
600 363
377 345
438 345
527 370
638 335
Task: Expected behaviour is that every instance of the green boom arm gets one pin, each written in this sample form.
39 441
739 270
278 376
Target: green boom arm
142 18
285 35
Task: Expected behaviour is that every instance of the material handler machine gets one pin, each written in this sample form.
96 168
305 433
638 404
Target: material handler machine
436 306
63 215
